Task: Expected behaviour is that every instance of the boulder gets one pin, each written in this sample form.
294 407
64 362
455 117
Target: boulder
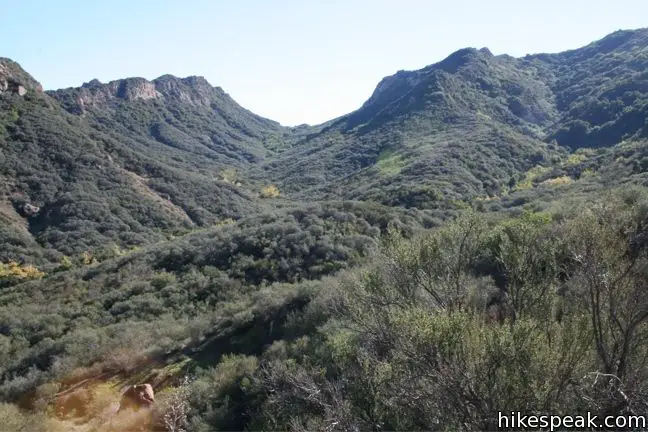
137 396
30 209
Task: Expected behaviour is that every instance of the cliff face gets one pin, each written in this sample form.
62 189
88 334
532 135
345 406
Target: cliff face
98 94
192 90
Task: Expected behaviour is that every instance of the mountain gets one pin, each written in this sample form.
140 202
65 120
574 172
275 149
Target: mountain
131 161
601 90
121 164
457 129
151 230
186 114
464 127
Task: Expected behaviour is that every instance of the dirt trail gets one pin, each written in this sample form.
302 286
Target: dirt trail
89 401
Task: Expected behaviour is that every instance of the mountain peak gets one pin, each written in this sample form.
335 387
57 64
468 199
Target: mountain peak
94 83
192 89
196 80
461 58
486 51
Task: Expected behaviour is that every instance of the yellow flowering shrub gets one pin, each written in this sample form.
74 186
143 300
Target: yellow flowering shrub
271 191
17 272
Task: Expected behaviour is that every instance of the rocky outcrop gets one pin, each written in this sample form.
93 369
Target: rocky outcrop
136 89
13 79
30 210
193 90
95 93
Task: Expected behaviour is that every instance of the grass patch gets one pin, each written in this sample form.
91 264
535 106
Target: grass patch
557 181
390 163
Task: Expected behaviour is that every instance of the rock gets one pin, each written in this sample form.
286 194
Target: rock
30 209
96 94
136 89
137 396
9 85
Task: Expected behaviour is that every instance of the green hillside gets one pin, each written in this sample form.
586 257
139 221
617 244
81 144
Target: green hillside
471 240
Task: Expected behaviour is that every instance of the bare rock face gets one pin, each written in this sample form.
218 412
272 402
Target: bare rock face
137 396
193 90
95 93
9 85
137 88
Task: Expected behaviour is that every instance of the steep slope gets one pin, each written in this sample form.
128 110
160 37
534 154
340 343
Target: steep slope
98 181
601 90
182 118
474 124
453 130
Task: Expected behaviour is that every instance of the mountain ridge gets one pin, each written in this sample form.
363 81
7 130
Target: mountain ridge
415 142
154 230
450 63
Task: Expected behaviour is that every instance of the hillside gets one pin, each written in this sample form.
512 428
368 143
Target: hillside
601 90
463 127
451 131
122 164
188 115
353 275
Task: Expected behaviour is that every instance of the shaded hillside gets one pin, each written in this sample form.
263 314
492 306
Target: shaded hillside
118 175
601 90
184 119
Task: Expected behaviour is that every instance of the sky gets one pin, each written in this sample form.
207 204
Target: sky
294 61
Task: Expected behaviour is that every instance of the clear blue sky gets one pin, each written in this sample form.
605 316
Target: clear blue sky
295 61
